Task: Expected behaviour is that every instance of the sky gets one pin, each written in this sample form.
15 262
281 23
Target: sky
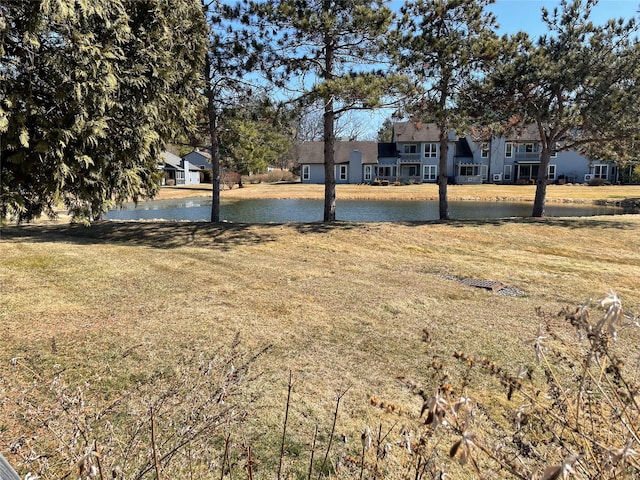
515 15
525 15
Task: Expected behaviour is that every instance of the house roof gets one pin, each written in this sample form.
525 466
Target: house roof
199 158
171 160
462 148
387 150
528 133
313 152
415 132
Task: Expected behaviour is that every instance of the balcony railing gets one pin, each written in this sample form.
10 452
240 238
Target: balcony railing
527 156
410 157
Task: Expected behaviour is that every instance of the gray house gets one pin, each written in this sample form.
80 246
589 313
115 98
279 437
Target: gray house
354 162
187 170
413 156
199 158
516 159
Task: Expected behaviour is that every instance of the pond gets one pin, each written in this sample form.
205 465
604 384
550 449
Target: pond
282 211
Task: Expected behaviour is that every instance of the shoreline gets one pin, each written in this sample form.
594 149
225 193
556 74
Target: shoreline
618 195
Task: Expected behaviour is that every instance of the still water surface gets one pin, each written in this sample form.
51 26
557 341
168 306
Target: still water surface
281 211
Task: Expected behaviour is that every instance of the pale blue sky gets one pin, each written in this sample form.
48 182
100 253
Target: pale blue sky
515 15
526 15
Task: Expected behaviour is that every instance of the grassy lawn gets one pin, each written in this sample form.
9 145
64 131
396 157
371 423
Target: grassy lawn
427 191
343 307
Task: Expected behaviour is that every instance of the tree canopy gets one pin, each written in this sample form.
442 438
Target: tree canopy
256 135
333 49
90 92
578 85
443 44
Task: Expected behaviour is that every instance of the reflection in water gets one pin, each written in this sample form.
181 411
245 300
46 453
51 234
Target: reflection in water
281 211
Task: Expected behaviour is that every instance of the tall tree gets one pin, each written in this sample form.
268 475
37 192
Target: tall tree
578 85
90 92
231 56
334 48
385 132
257 134
443 44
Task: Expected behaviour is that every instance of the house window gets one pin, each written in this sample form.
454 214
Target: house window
508 150
383 171
507 172
551 172
342 172
429 172
367 173
484 150
525 148
430 150
468 170
306 172
410 149
600 171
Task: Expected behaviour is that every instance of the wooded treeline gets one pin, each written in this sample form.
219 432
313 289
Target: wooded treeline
92 92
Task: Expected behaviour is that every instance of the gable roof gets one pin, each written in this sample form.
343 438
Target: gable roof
462 148
171 159
415 132
313 152
199 158
387 150
528 133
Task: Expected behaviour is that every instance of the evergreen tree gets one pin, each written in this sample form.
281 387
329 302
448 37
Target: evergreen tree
232 55
442 45
578 85
334 49
257 134
385 132
90 92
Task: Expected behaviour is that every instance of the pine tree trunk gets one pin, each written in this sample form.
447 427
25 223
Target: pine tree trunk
541 183
329 161
329 132
215 177
443 202
213 137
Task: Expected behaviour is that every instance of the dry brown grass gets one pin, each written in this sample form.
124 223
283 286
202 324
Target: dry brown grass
343 305
488 192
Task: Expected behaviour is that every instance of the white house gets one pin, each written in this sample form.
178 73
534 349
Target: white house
178 171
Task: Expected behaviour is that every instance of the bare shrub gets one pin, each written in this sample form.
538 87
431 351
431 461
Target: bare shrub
173 424
574 413
273 176
229 179
597 182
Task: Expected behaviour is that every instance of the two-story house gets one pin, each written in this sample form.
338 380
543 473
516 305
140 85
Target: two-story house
516 159
188 170
413 156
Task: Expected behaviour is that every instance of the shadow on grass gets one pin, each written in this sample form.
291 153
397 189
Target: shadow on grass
561 222
166 234
230 235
